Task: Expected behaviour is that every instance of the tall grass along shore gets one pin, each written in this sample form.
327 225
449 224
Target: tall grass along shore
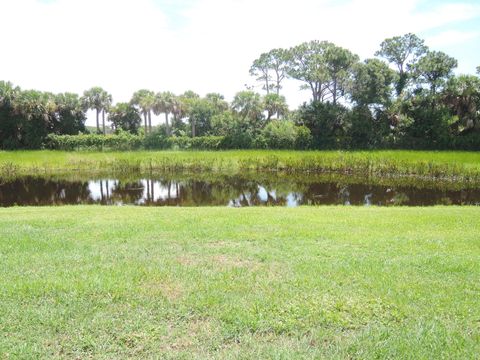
455 166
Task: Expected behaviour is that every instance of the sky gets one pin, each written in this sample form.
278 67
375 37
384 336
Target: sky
207 45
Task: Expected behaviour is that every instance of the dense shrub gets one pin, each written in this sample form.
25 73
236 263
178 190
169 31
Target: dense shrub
280 134
120 141
159 140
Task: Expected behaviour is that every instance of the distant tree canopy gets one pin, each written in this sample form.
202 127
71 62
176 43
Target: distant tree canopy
406 97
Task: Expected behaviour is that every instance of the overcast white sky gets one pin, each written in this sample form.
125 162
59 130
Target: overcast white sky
206 45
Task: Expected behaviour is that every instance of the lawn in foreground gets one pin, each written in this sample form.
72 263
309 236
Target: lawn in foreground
335 282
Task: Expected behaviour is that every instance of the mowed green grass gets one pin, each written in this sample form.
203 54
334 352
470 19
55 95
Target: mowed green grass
423 163
223 283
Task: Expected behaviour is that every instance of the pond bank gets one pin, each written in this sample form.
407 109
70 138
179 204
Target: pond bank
422 165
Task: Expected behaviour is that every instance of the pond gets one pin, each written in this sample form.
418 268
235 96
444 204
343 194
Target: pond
225 190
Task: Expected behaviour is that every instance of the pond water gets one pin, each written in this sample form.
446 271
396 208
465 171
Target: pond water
225 191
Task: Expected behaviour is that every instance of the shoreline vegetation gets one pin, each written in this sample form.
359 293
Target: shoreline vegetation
309 282
424 166
354 104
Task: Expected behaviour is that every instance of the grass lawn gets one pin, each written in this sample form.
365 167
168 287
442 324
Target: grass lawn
309 282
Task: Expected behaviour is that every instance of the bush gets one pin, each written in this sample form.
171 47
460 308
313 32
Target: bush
284 134
304 138
280 134
120 141
159 140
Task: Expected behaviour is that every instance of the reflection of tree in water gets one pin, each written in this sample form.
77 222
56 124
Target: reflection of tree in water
40 191
221 191
130 192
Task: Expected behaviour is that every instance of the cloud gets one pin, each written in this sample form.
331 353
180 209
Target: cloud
203 45
451 37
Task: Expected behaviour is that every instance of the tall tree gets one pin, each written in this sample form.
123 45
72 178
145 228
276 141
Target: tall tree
144 100
248 105
434 69
70 114
10 125
164 103
38 110
339 63
106 104
125 116
218 101
261 70
462 95
275 104
307 64
97 99
402 51
372 83
271 69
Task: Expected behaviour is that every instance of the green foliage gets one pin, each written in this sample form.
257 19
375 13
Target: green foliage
434 69
275 104
248 105
304 138
364 130
462 96
404 52
271 69
239 132
353 105
99 100
159 140
430 125
372 84
284 134
125 117
326 123
121 141
200 112
144 101
70 114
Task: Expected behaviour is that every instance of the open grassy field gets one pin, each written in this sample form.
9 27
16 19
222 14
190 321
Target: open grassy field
463 166
327 282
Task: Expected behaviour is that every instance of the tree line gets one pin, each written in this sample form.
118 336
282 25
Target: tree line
405 97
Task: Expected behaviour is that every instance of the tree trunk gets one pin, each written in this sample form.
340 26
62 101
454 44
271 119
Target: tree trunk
149 121
101 190
152 192
167 130
108 190
103 121
145 118
334 91
193 127
278 81
148 190
266 82
98 121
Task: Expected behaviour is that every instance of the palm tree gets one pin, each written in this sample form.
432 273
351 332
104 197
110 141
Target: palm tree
275 104
9 126
99 100
106 105
38 111
165 102
144 100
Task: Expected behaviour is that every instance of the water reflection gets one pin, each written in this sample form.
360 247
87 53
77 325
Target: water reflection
227 191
